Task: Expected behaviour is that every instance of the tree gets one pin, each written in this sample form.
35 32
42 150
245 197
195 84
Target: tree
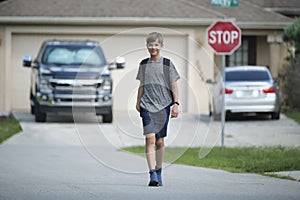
291 72
291 35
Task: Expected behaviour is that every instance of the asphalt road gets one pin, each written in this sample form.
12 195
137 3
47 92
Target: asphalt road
61 159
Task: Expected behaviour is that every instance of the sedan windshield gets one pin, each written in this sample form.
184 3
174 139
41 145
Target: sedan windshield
247 75
73 55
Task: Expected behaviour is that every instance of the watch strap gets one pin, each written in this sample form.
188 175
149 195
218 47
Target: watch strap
176 102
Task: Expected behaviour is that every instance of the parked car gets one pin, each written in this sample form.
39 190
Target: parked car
71 74
248 90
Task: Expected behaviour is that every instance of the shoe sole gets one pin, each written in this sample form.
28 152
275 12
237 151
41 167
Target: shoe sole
153 184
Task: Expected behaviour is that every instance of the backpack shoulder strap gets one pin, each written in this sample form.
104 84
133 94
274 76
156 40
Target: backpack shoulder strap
166 63
144 61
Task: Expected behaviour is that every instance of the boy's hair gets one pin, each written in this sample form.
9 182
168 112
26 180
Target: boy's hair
155 36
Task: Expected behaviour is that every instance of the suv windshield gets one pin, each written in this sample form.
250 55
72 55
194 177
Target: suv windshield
247 75
73 55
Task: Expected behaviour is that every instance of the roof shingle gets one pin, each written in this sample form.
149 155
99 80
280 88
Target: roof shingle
171 9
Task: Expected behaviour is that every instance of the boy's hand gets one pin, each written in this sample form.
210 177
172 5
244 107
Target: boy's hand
174 111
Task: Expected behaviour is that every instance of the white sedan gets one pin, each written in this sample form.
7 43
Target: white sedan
248 90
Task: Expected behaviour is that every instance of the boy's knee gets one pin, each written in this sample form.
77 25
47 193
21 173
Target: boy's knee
150 139
159 144
150 143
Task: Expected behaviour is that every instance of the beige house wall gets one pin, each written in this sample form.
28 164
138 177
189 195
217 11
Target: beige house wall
263 49
185 46
271 50
264 55
2 70
191 59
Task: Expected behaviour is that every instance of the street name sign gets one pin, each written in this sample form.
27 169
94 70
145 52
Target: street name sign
225 3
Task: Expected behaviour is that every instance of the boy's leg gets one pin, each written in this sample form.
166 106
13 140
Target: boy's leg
160 144
160 150
150 156
150 151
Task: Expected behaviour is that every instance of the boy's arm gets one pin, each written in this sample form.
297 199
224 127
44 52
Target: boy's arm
139 96
174 112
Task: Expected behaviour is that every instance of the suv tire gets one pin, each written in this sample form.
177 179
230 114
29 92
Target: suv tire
32 100
39 116
108 118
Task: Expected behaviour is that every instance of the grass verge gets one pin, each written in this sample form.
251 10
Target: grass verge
8 127
240 160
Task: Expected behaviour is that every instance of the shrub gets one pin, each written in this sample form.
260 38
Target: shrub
290 73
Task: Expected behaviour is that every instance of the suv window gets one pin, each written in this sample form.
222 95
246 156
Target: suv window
247 75
73 55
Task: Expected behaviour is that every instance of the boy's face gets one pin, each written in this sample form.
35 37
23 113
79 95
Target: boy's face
154 48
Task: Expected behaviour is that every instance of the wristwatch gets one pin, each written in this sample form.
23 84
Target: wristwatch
176 102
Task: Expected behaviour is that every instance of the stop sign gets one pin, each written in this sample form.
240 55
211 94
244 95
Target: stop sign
224 37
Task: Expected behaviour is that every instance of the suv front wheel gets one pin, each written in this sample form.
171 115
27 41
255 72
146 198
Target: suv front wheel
108 118
39 116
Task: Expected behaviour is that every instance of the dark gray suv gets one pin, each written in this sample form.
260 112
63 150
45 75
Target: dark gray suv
70 76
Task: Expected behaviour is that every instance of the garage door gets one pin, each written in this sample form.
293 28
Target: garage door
129 45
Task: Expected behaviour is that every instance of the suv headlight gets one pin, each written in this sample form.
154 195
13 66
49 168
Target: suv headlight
45 71
107 84
105 87
44 85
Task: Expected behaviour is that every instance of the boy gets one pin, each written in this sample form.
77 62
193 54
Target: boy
157 93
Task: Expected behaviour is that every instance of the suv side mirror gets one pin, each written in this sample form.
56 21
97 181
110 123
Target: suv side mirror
27 60
120 62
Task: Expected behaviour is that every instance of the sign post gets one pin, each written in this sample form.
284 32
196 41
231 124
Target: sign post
224 37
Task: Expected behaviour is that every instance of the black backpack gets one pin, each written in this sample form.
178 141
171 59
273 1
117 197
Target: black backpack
166 65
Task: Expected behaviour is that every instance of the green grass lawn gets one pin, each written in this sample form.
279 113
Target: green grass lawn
8 127
241 160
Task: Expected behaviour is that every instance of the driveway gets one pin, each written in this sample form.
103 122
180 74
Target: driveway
61 159
261 131
194 130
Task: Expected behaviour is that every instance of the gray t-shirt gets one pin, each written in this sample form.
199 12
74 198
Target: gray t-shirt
156 94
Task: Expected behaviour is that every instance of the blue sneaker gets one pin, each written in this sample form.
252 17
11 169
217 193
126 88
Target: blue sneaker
153 179
159 178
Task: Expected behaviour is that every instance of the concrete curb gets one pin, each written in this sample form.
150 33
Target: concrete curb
293 174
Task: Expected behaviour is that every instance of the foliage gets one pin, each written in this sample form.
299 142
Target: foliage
290 78
290 74
291 35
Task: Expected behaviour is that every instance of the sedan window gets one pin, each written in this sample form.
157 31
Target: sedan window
247 75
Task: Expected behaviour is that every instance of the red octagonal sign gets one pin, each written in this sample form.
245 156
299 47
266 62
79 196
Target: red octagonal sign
224 37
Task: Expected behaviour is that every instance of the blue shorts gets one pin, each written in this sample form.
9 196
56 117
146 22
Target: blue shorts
155 122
